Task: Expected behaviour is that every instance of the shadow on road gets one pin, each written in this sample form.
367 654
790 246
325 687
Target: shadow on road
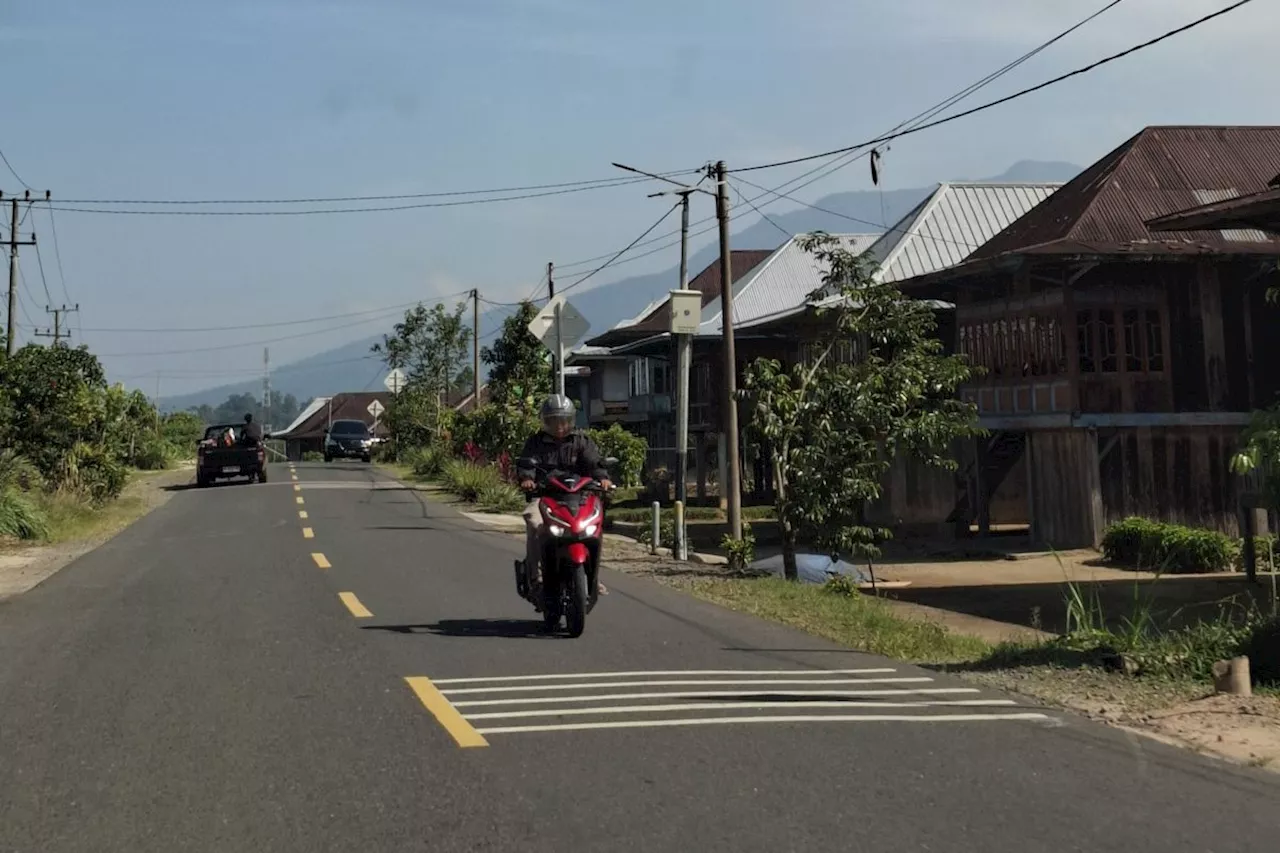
402 527
216 484
509 628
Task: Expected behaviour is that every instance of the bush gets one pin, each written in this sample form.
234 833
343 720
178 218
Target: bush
17 471
467 480
20 517
501 497
1263 648
91 471
741 552
426 462
153 454
629 449
1264 549
1141 543
313 456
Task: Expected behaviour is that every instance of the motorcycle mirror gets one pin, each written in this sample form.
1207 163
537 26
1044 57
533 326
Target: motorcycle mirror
527 462
610 461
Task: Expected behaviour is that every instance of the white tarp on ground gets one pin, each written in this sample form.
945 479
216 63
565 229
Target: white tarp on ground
814 568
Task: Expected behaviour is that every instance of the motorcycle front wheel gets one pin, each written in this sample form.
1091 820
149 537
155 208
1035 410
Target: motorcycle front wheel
576 602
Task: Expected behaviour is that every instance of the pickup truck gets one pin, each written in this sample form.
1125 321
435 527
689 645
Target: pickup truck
222 454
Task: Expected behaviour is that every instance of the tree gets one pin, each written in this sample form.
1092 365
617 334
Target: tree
833 427
519 369
431 346
1259 453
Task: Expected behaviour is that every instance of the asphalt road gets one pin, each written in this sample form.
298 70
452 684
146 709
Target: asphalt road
228 675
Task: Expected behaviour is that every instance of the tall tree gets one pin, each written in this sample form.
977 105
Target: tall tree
431 345
835 425
519 367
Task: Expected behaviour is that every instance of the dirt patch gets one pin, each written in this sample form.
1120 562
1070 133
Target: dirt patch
23 566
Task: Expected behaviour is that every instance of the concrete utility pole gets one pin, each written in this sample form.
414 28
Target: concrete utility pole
475 349
555 360
266 387
10 343
57 333
733 478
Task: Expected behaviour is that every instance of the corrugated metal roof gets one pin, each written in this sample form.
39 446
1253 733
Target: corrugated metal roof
1157 172
781 283
950 224
314 406
346 406
1260 209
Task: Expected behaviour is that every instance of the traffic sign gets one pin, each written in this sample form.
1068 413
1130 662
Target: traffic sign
376 409
395 381
573 326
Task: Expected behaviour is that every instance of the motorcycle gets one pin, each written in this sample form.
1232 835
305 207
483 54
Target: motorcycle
572 512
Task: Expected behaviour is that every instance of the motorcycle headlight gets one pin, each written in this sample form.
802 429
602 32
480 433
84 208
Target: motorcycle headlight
591 529
555 530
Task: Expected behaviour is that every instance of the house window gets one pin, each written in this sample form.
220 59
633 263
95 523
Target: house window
1084 341
1129 339
660 381
638 377
1155 342
1107 341
1132 341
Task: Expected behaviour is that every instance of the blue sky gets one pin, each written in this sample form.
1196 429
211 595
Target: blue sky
159 99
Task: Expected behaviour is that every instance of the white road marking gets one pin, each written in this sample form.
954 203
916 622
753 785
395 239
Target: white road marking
687 683
707 694
648 673
732 706
720 721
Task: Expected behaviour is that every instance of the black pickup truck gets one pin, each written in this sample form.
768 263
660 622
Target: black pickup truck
223 454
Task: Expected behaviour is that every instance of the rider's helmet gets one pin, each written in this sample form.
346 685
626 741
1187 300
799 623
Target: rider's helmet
248 418
558 414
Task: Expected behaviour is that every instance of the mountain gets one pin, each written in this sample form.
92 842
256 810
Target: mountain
351 368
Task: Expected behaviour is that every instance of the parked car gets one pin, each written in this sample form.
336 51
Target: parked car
223 454
348 440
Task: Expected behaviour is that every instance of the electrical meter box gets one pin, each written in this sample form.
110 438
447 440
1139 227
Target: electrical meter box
686 312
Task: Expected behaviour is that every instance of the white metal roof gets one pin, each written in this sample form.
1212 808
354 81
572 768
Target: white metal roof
779 284
314 406
950 224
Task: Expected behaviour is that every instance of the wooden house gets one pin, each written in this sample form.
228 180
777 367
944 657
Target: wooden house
1120 361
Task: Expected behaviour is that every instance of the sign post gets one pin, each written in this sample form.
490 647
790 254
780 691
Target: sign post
559 326
394 381
686 314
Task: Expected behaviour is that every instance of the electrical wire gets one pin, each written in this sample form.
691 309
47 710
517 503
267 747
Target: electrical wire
623 251
466 202
43 280
13 171
1007 98
763 216
598 183
276 324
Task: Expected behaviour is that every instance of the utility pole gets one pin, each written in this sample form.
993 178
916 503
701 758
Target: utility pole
13 243
555 357
733 478
57 334
266 387
475 349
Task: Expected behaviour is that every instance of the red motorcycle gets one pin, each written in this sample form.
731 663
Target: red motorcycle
572 514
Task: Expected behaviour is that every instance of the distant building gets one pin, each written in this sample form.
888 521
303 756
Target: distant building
306 433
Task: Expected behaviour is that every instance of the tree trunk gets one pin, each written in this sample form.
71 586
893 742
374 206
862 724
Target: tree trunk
789 551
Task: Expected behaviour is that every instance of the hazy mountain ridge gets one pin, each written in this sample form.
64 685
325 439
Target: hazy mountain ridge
350 367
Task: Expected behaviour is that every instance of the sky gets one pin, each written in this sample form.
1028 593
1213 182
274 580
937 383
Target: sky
269 99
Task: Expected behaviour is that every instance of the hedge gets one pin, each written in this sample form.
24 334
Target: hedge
1141 543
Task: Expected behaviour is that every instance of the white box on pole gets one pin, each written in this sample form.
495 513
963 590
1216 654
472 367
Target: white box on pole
686 312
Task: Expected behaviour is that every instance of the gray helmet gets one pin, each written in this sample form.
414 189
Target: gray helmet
557 408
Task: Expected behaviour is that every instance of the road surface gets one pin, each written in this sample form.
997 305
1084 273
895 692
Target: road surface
334 664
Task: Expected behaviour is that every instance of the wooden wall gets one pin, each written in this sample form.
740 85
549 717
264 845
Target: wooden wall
1176 474
1065 500
917 498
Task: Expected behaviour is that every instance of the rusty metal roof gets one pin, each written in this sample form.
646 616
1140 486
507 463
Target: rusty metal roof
1256 211
1159 171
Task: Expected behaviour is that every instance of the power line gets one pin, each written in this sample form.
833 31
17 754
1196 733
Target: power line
43 280
276 324
241 344
13 172
751 204
623 251
588 185
57 254
1006 99
248 371
465 202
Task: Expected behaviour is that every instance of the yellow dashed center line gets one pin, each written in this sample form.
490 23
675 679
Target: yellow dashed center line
308 533
321 561
357 609
300 500
297 488
444 712
302 513
293 477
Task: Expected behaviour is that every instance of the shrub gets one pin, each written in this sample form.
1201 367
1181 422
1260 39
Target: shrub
741 552
312 456
1263 648
20 517
666 529
1141 543
628 448
153 454
426 462
93 472
18 471
467 480
501 497
1264 549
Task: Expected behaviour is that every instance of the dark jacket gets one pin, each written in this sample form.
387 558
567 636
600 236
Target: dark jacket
251 433
575 453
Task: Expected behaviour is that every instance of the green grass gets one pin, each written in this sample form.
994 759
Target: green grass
860 622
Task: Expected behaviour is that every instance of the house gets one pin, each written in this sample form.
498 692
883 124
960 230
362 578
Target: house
306 433
464 402
1121 361
600 388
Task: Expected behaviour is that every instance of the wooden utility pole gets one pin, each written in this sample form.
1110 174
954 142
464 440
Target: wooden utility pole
733 488
475 349
57 334
551 294
10 342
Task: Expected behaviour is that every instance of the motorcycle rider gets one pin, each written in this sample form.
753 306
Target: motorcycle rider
556 446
